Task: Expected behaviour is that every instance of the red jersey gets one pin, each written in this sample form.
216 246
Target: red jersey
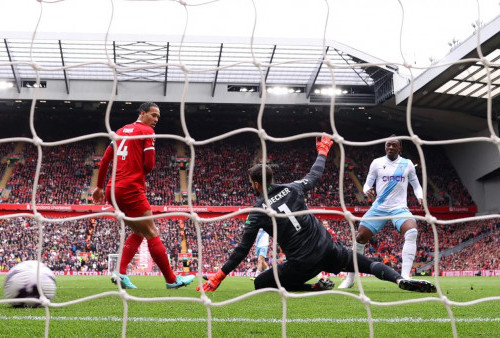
333 234
132 166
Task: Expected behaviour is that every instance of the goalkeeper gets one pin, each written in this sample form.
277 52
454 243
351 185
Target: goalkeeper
308 246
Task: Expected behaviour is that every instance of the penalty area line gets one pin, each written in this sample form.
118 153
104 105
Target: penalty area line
255 320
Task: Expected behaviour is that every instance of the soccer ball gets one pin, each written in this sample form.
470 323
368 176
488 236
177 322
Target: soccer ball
21 282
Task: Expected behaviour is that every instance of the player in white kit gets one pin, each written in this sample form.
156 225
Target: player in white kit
391 175
261 249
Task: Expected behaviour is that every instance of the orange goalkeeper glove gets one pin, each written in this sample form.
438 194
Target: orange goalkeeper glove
213 282
323 145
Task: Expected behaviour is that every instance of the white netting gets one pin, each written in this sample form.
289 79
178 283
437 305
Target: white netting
261 66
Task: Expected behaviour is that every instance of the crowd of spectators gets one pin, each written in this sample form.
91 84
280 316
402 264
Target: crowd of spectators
450 190
219 179
65 173
482 255
84 245
220 174
163 183
62 242
218 239
388 243
6 149
294 162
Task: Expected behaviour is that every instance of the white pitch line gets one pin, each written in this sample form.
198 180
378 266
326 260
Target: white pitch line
257 320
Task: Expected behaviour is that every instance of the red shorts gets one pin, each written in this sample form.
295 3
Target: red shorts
133 203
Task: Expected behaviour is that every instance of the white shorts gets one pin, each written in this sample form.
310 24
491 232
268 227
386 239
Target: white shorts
261 251
375 225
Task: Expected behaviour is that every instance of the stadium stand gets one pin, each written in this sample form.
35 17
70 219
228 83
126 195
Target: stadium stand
219 179
85 246
65 173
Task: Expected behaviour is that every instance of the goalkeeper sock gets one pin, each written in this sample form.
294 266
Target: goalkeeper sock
159 255
130 248
383 272
408 253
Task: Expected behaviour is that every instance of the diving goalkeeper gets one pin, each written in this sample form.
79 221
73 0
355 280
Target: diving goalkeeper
308 246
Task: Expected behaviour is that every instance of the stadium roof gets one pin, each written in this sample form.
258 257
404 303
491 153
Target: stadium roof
295 64
449 99
458 90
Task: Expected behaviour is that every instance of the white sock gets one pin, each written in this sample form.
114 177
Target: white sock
408 253
360 248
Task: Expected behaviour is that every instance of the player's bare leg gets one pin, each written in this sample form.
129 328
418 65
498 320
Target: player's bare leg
261 266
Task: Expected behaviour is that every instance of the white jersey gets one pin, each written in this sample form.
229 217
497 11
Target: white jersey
391 178
262 239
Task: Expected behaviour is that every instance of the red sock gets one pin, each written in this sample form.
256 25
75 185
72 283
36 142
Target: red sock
130 248
159 255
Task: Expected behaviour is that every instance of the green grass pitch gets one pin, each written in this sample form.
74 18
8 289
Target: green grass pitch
321 315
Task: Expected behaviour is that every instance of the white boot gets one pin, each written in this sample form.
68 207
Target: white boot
348 282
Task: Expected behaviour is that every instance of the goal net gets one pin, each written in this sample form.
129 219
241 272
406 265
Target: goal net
325 63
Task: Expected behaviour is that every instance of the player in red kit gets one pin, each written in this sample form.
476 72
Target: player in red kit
330 230
135 159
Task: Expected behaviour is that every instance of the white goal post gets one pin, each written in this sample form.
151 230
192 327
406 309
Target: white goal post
140 264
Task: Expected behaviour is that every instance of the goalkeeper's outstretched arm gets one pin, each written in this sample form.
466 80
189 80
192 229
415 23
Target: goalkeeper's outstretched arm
239 253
